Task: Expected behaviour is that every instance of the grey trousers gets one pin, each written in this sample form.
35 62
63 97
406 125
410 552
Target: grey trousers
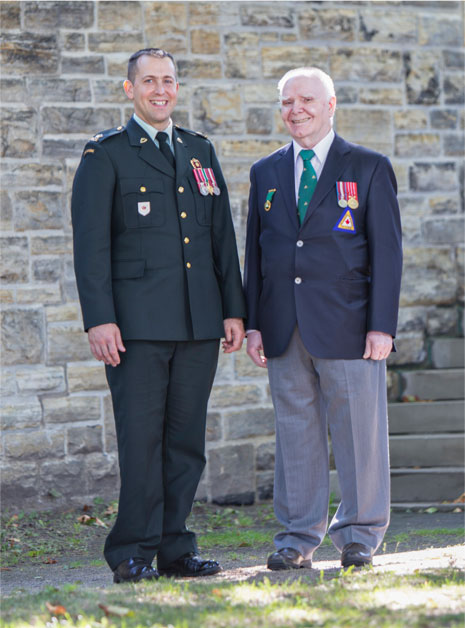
309 394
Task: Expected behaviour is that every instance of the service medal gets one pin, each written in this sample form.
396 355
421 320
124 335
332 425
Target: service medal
353 195
213 185
269 198
342 202
352 203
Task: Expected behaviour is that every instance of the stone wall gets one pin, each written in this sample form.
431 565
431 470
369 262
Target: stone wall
398 69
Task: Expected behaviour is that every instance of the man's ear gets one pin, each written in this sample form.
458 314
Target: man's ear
332 105
129 89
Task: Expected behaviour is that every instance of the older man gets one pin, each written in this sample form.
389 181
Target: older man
159 282
322 281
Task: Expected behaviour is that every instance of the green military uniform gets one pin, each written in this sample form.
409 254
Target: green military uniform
159 259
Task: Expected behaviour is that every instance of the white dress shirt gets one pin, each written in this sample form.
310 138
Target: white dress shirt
321 151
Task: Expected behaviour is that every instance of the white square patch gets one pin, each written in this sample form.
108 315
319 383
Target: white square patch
143 208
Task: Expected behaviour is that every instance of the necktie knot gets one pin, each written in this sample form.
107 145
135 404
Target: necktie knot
165 150
307 155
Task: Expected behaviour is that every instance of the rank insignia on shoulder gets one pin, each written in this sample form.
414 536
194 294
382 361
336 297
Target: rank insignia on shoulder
346 222
205 178
88 150
269 198
347 194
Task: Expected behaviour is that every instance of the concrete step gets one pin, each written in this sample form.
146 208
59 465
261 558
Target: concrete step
411 486
447 353
426 450
426 417
434 384
427 485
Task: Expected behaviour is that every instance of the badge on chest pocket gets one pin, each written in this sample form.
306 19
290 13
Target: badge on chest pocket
143 208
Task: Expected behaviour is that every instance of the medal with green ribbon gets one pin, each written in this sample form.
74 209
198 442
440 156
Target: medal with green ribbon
269 198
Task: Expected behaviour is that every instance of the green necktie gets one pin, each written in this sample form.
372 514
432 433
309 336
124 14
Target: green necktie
307 184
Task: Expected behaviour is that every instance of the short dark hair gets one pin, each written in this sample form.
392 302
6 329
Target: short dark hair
150 52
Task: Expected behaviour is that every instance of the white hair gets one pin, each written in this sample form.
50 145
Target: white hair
311 72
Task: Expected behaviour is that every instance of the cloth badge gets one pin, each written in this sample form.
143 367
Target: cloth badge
269 198
347 194
346 222
143 208
205 179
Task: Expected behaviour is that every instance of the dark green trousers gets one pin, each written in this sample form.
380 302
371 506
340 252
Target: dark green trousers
160 393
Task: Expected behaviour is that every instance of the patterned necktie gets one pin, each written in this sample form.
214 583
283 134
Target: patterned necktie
162 138
307 184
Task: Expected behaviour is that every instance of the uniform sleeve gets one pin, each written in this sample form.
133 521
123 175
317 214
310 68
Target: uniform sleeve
385 249
91 206
252 268
225 249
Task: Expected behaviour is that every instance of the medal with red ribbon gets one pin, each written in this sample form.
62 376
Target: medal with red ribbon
347 194
205 178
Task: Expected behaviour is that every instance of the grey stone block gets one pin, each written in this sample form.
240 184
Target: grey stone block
20 484
84 440
434 385
247 423
265 456
22 336
448 353
265 485
231 472
426 417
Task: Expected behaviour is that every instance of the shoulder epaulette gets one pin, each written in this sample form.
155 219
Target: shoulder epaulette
99 137
195 133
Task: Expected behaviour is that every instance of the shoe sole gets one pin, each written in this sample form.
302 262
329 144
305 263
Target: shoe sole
178 574
282 566
119 580
356 563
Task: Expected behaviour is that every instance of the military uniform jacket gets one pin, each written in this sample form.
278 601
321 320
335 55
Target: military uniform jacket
336 283
151 253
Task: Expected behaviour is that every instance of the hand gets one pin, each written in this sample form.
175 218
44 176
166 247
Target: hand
105 342
255 348
234 334
378 345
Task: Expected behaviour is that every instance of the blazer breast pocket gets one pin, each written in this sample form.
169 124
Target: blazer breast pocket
143 202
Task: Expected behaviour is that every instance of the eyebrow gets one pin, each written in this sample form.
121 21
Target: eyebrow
155 76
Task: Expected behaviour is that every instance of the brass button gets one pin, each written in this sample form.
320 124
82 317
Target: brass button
183 215
188 264
143 188
186 240
180 189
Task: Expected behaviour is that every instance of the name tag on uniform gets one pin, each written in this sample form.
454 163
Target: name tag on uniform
143 208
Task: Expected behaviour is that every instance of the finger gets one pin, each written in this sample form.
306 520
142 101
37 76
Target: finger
119 341
367 352
113 353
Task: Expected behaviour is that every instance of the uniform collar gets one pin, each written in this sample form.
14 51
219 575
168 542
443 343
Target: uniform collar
152 131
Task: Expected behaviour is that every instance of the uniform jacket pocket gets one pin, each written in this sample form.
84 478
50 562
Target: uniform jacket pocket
143 202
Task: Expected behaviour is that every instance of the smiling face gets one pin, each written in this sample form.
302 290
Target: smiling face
307 110
154 90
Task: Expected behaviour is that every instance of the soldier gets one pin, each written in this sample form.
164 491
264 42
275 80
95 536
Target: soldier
159 283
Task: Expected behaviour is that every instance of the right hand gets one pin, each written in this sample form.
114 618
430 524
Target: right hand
105 342
255 348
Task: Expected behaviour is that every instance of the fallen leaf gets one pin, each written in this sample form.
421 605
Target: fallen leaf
217 592
110 510
85 520
99 522
56 610
12 540
244 544
5 568
457 510
86 508
431 510
460 500
119 611
50 561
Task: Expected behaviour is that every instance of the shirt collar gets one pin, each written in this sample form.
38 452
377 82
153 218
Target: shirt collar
321 149
152 131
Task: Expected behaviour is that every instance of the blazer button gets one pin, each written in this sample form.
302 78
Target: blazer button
297 280
180 189
143 188
186 240
299 243
188 264
183 215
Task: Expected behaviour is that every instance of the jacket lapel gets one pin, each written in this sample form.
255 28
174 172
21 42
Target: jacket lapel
284 168
181 155
332 170
147 149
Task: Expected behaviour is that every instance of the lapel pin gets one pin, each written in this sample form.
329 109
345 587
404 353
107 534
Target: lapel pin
143 140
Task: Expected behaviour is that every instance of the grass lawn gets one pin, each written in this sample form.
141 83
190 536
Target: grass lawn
244 595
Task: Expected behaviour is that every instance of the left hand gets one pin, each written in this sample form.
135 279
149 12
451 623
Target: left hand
234 334
378 345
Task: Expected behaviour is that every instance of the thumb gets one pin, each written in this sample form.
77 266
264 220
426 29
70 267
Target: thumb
367 351
119 341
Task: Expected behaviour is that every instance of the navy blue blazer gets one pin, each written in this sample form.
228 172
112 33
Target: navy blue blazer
335 284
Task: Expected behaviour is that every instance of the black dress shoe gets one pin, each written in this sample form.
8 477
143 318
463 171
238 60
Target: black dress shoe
356 554
190 565
287 558
133 570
